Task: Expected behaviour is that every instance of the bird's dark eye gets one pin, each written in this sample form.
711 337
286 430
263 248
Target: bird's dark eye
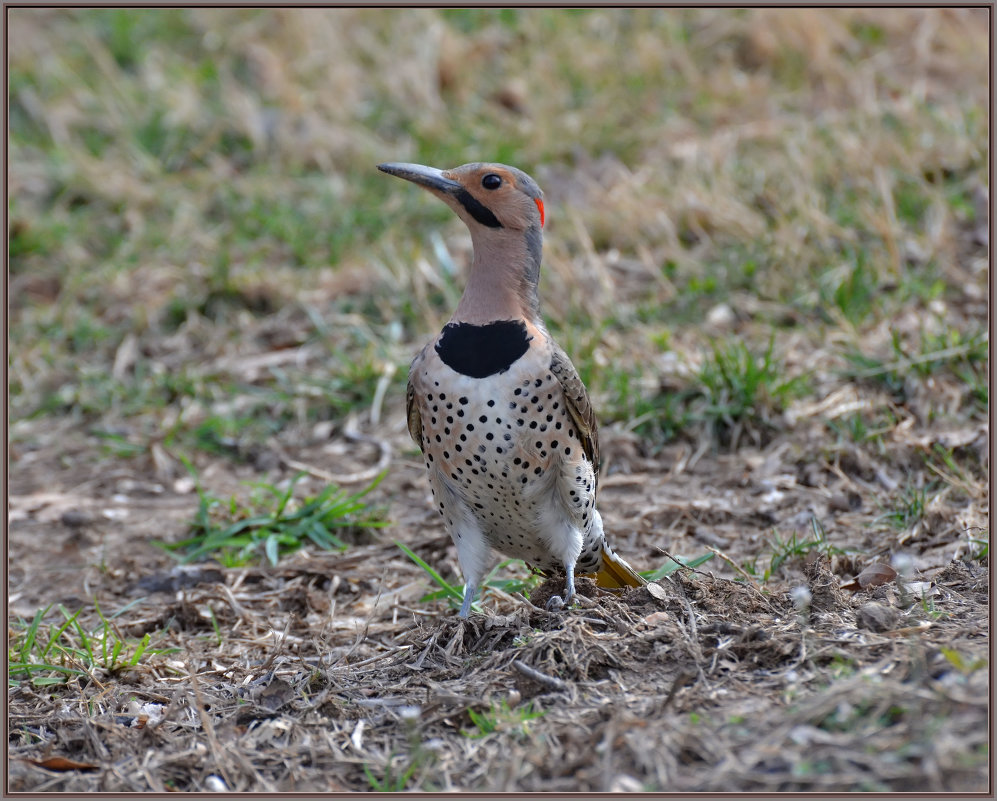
491 181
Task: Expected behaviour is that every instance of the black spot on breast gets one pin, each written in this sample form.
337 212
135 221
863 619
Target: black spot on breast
479 351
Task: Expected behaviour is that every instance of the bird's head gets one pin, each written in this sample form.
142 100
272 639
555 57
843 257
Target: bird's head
504 209
492 196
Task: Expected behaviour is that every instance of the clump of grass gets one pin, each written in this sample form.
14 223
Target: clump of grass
230 435
742 389
416 763
908 508
274 523
453 593
44 654
860 427
736 389
965 665
794 546
392 782
657 416
500 718
851 289
962 355
982 548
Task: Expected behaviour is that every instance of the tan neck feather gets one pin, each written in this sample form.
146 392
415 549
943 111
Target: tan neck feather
498 286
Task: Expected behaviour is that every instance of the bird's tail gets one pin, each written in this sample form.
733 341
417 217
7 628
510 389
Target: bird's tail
615 573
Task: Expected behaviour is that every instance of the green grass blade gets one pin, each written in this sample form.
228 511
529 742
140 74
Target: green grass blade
82 633
30 667
271 549
29 638
671 566
58 633
139 650
115 653
126 607
449 589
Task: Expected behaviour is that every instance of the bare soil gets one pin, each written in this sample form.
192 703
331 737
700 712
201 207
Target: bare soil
327 673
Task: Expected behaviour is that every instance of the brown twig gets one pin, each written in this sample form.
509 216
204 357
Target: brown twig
367 474
550 682
733 564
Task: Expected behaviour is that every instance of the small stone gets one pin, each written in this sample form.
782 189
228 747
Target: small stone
876 617
184 485
721 316
656 591
76 518
656 619
626 784
215 784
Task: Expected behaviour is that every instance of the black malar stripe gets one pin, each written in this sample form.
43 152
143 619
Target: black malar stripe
477 209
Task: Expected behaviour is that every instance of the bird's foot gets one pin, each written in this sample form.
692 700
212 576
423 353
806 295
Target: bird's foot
556 603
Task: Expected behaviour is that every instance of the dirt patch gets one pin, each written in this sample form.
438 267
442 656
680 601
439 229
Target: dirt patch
328 673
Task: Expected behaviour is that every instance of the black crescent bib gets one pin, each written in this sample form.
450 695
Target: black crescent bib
479 351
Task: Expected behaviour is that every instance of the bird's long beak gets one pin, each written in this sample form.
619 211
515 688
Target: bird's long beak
428 177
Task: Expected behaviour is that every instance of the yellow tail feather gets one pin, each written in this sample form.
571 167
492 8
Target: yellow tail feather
616 573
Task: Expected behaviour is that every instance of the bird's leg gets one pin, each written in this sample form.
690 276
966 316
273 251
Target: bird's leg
470 590
556 601
472 553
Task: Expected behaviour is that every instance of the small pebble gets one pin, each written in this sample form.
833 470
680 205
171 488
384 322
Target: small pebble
76 518
876 617
215 784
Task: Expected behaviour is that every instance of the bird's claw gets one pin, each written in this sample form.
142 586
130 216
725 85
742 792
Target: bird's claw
556 603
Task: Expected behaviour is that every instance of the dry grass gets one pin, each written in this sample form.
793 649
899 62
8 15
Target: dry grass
206 268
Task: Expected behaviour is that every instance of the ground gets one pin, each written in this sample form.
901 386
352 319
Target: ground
767 254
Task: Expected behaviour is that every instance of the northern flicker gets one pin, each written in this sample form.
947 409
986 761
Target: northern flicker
497 408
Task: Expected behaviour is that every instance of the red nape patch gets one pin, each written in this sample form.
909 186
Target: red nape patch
540 205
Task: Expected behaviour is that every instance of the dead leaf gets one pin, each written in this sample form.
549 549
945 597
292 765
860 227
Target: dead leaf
125 357
877 573
62 764
276 694
922 589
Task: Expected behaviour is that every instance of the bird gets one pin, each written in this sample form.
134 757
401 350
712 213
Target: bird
504 422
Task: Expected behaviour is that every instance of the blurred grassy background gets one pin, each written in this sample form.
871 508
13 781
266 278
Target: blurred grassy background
746 209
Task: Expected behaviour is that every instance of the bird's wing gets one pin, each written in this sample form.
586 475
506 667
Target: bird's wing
579 406
414 420
613 571
411 403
